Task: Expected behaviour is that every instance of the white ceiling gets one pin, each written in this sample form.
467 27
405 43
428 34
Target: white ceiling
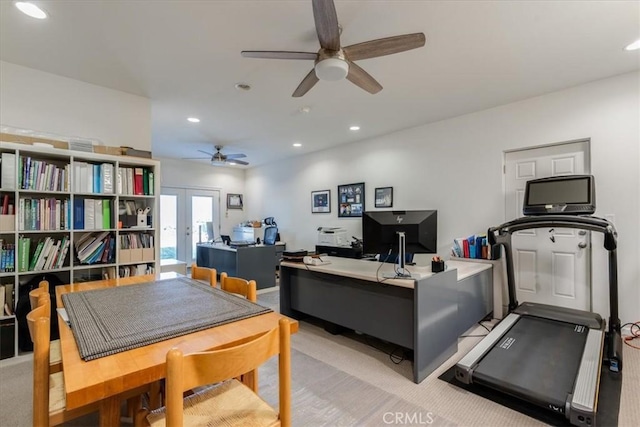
185 56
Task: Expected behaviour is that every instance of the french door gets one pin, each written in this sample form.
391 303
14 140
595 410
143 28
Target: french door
185 213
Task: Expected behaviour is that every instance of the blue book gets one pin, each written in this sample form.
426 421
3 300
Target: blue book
78 214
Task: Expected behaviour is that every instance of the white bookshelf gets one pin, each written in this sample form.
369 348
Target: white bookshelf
48 219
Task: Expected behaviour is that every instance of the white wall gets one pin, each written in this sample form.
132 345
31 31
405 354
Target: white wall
44 102
187 174
455 166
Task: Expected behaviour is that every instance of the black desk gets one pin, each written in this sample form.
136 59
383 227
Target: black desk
249 262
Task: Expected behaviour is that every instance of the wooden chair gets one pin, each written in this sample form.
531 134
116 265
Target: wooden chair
231 402
204 273
55 353
236 285
49 407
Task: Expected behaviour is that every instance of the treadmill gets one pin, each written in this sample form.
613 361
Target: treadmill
542 354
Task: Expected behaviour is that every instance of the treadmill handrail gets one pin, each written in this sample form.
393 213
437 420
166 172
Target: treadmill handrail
501 235
590 223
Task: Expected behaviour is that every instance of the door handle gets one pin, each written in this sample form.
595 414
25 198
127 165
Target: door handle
582 245
582 233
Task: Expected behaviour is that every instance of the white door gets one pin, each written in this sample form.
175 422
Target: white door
185 213
551 266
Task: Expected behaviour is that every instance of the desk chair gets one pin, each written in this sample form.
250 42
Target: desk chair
55 353
270 235
230 403
204 273
236 285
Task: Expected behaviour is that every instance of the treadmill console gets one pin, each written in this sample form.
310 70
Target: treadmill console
560 195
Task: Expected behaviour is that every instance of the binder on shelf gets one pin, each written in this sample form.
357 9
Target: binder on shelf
138 183
78 213
106 214
8 173
89 214
97 213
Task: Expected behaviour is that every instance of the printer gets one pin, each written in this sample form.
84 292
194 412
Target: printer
332 236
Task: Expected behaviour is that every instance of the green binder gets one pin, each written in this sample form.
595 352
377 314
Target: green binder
106 214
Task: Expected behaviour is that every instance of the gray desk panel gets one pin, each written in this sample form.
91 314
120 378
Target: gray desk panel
436 337
376 309
252 262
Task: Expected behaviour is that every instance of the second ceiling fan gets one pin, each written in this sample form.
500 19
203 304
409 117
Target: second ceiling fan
334 62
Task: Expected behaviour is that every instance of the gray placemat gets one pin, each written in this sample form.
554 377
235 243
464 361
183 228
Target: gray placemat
112 320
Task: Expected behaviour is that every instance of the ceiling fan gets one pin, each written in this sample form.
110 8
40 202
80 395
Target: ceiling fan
218 158
334 62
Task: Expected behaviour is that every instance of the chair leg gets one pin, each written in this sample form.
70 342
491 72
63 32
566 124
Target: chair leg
134 404
155 395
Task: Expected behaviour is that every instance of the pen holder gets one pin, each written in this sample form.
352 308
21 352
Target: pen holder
437 266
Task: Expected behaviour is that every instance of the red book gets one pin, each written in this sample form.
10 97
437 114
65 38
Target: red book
138 184
465 248
5 205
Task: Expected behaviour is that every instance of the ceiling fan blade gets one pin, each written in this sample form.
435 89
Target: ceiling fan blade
386 46
206 152
275 54
236 156
326 18
239 162
306 84
361 78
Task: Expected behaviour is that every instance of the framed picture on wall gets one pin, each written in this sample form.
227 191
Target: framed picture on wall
351 200
321 201
234 201
384 197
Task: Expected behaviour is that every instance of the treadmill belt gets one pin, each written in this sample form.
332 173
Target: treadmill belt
537 360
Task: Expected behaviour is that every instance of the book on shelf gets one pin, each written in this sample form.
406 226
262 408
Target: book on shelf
8 172
475 246
24 246
7 256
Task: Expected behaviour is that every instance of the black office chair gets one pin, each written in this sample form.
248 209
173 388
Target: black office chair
270 234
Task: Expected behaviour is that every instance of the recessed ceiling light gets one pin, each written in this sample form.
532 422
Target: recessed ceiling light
354 128
194 119
306 109
633 46
31 9
297 144
243 86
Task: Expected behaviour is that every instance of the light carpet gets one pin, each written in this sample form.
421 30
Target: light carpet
343 380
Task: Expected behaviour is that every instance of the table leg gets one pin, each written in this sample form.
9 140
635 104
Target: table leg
110 412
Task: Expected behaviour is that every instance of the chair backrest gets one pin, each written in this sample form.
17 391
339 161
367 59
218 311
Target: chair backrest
204 273
236 285
270 234
38 321
185 372
43 287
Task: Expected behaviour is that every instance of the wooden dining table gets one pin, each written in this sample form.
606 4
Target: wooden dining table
107 378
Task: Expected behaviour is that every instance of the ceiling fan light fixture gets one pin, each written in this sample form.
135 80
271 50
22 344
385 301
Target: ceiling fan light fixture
332 69
31 9
633 46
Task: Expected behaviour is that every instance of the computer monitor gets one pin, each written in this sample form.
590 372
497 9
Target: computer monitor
564 195
399 233
210 236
